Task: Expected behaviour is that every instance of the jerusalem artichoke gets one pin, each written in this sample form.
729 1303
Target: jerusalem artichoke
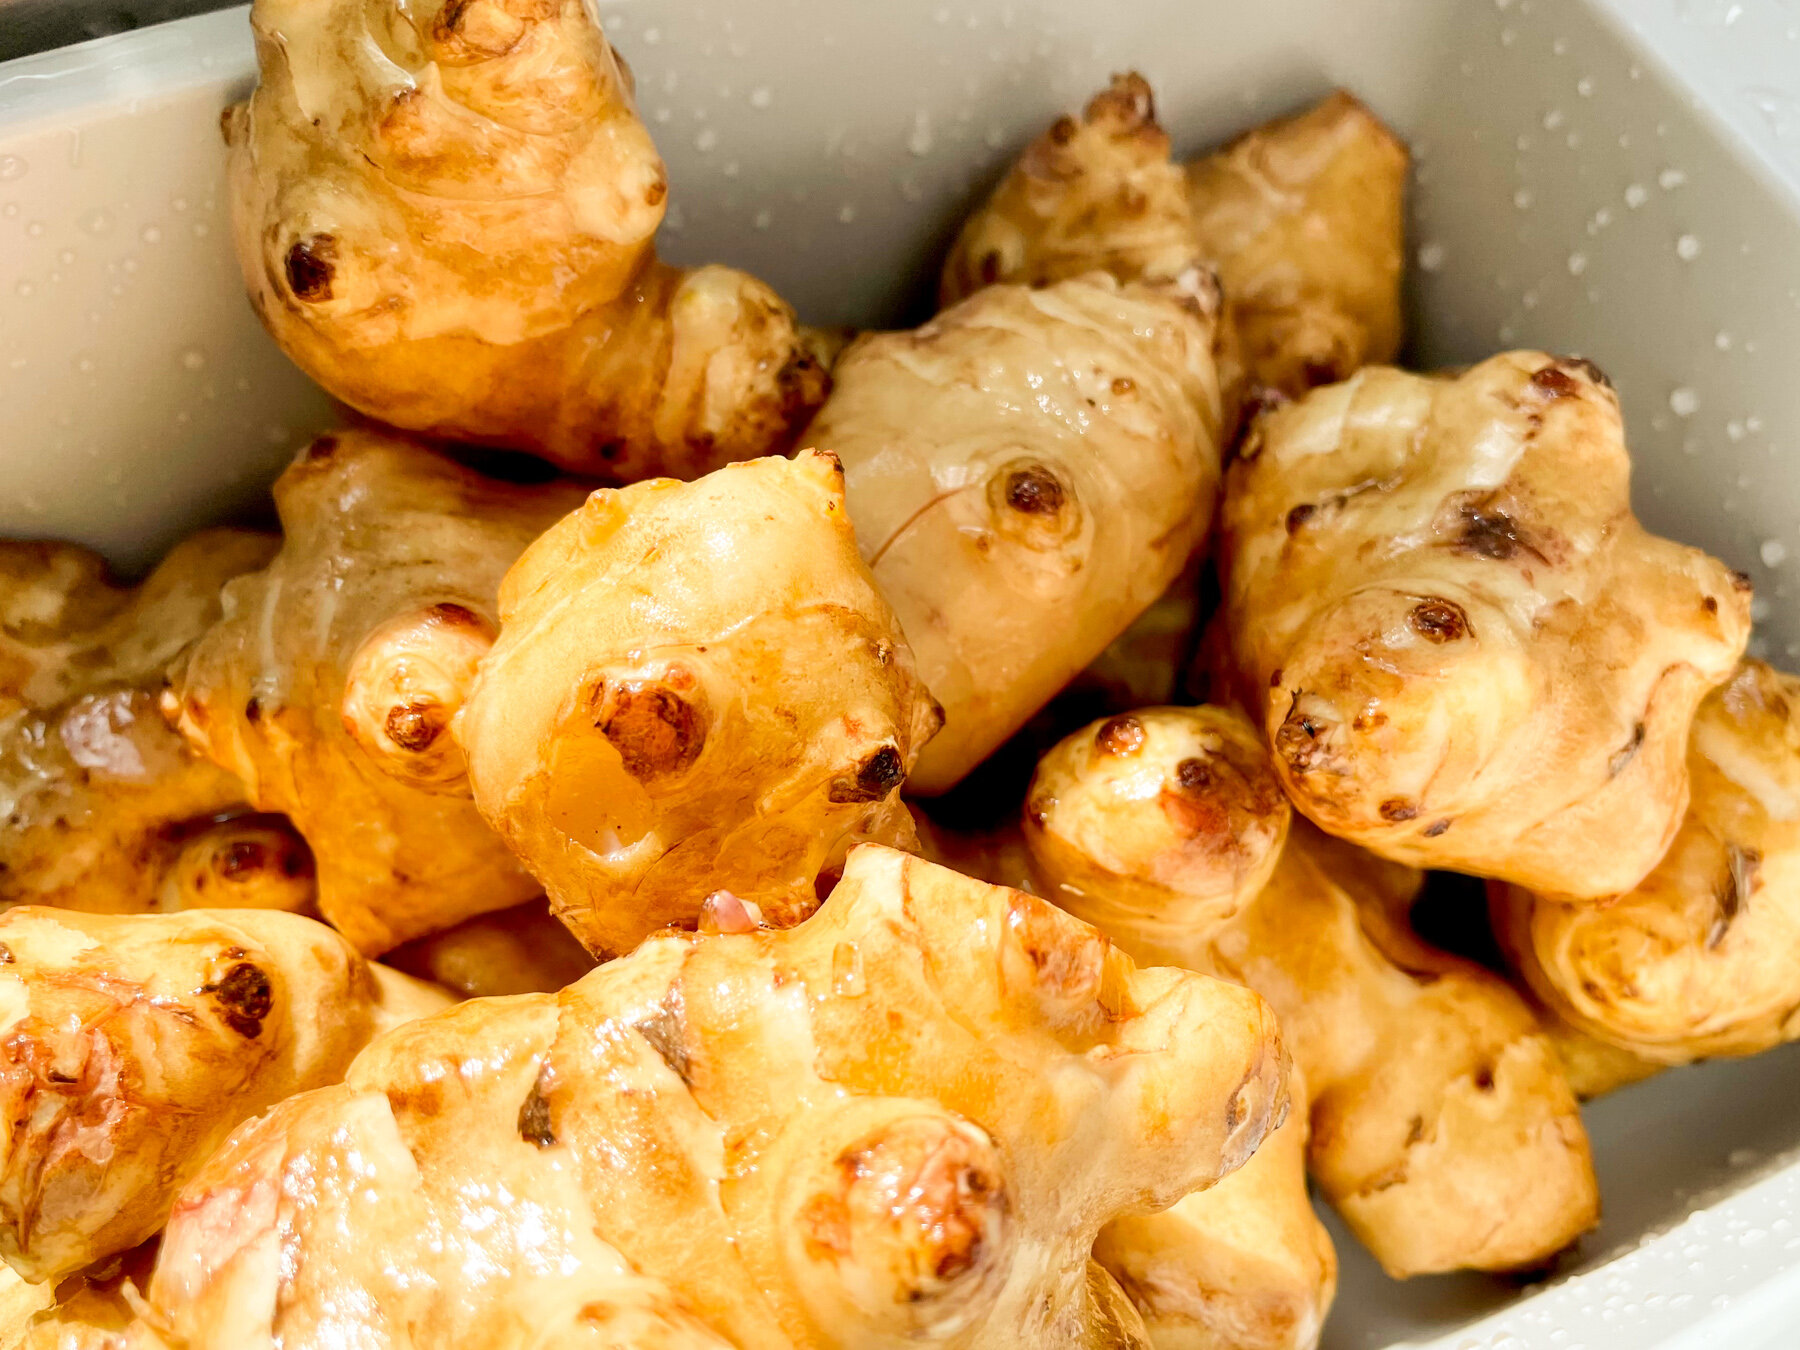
522 950
1464 649
444 214
900 1123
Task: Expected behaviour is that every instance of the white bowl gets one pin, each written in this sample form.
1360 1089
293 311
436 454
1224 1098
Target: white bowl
1617 178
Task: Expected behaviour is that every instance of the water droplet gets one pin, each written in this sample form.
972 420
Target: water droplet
97 221
129 265
66 257
1523 199
1780 109
764 219
1687 248
193 359
1431 257
1508 37
178 204
151 235
10 210
1577 264
1734 432
762 96
846 213
1553 119
35 229
1529 300
1683 401
1585 87
706 140
201 229
652 36
1670 179
1560 47
11 167
24 288
1636 195
918 140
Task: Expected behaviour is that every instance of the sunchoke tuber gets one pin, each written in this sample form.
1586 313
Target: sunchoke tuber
1702 958
1302 218
1442 1127
697 687
330 684
1464 649
445 213
134 1044
1027 473
522 950
97 794
899 1123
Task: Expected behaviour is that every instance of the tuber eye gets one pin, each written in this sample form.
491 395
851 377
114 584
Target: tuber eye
1439 620
245 997
875 777
310 266
657 733
1121 735
1035 491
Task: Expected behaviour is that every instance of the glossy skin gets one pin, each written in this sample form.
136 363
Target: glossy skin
1703 957
1442 1127
98 795
89 1311
445 213
899 1123
1027 473
1463 648
330 686
1301 218
522 950
134 1044
697 688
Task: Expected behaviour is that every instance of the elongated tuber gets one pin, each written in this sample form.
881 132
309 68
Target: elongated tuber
445 213
97 794
900 1123
134 1044
1442 1127
1027 473
329 686
1302 219
1464 649
697 688
1703 957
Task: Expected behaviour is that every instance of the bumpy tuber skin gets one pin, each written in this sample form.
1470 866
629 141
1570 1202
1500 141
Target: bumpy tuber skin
97 794
522 950
1027 473
900 1123
1703 957
89 1311
1442 1127
248 861
1464 649
697 688
134 1044
330 684
1302 219
444 214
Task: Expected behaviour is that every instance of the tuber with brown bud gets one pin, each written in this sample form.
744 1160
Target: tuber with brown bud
900 1123
99 797
1443 1129
330 683
697 688
1027 473
1702 958
1302 219
1465 651
445 215
134 1044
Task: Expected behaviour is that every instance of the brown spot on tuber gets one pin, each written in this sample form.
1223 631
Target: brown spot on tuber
310 266
1034 491
1742 581
989 267
1710 604
1123 385
1300 740
1484 1078
1439 620
1623 756
1589 369
1490 533
875 777
657 733
534 1115
242 856
666 1032
253 711
1062 130
1398 809
1121 735
1193 775
1741 868
6 956
414 726
245 997
658 189
1299 516
1555 382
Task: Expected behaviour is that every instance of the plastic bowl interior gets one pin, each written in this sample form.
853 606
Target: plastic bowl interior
1580 186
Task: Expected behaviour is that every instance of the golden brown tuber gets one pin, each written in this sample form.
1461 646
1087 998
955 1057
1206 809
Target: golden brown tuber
1027 473
1442 1127
134 1044
697 688
330 684
1464 649
1302 219
97 794
900 1123
1702 958
444 214
90 1310
522 950
247 861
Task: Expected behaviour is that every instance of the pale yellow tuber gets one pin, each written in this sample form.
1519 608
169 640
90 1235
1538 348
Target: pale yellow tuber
697 687
134 1044
900 1123
444 213
522 950
1027 473
1464 649
1702 958
97 794
329 686
1442 1127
